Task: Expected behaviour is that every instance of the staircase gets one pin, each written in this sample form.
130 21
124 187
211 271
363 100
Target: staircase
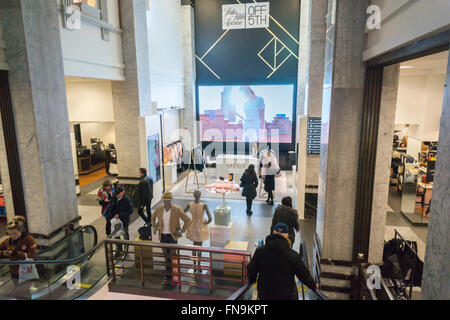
335 280
334 276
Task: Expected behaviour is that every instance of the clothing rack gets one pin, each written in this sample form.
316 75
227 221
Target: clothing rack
196 180
173 143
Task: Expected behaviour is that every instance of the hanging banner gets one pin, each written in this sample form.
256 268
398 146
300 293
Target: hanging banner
246 15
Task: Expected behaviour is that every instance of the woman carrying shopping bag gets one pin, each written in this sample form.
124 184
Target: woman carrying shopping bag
20 246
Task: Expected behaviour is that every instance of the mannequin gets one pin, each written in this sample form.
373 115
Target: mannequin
198 230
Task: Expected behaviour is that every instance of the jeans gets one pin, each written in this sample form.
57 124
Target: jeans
167 238
141 213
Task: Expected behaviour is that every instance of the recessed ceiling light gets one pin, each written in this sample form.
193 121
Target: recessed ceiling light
406 67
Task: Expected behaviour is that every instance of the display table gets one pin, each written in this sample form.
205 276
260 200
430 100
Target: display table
219 237
235 164
170 174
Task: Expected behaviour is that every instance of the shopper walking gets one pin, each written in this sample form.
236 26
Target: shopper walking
270 168
121 207
104 195
198 231
166 222
284 213
274 267
249 183
145 195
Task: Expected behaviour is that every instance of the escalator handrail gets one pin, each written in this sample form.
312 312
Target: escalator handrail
63 261
79 229
240 292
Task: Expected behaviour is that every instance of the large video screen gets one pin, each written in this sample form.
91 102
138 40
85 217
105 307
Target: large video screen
259 113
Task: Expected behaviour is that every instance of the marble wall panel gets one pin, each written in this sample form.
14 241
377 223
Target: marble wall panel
188 114
132 98
383 162
33 52
436 274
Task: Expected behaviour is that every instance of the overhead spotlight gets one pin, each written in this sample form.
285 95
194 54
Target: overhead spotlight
406 67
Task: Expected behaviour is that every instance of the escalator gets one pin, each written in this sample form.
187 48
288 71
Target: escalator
68 270
249 291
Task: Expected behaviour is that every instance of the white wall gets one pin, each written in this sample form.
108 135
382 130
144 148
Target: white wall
86 54
171 124
89 100
105 131
420 100
411 100
404 22
3 64
166 52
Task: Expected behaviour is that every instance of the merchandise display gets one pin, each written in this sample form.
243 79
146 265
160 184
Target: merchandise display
233 164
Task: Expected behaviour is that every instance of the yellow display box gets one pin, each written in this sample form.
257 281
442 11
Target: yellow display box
234 269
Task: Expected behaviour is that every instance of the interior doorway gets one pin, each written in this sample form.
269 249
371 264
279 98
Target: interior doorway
415 145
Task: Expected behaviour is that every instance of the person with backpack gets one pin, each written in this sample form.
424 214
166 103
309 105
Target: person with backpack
275 265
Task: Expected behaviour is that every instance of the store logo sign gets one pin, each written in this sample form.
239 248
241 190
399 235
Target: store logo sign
246 16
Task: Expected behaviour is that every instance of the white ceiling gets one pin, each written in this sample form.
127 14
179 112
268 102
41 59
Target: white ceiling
429 65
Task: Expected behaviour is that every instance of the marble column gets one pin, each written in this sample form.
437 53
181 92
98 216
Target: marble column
188 114
132 98
36 75
383 160
341 127
436 273
310 80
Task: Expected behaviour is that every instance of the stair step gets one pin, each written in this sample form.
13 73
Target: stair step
334 289
332 275
336 269
336 295
334 282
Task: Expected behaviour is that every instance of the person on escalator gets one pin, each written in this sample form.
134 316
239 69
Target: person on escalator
275 265
19 246
121 207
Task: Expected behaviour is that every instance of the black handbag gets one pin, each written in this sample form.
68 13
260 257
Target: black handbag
145 232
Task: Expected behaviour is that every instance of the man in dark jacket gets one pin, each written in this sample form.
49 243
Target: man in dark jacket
145 195
275 266
121 207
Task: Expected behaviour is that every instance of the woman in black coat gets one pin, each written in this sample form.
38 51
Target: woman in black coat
249 182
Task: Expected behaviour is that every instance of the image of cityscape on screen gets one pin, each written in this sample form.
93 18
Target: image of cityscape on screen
239 110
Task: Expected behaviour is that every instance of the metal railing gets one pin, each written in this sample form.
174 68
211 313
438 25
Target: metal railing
53 274
397 235
194 266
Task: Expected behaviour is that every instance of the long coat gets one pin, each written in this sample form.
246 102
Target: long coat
249 183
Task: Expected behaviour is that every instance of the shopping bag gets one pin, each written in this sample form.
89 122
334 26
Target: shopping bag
116 224
28 271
